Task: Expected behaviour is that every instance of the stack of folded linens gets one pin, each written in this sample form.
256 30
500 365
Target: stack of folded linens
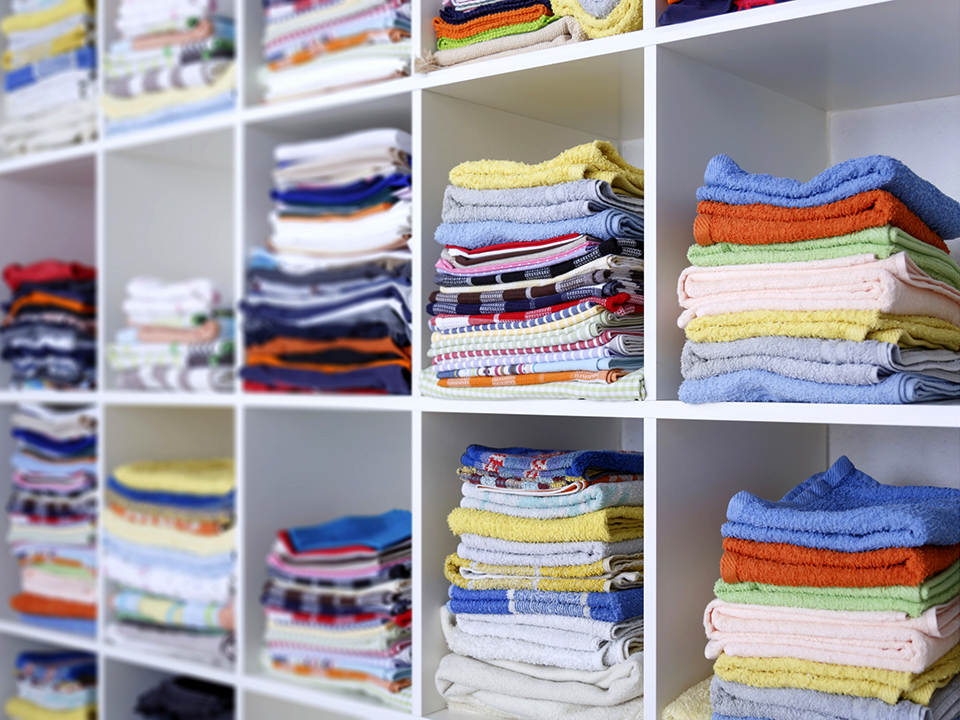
54 685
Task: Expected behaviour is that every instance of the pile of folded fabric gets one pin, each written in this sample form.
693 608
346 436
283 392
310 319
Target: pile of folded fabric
50 84
52 515
174 61
337 606
49 334
681 11
177 338
322 46
837 290
169 547
328 300
541 280
186 698
58 685
545 618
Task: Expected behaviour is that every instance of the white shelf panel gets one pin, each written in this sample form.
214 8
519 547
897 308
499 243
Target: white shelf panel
73 397
350 704
173 131
172 665
31 165
385 403
169 399
541 408
62 639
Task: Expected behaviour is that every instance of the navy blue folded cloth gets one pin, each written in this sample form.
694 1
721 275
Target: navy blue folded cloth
374 531
527 463
459 17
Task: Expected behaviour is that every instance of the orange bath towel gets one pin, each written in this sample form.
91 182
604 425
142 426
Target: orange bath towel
489 22
39 605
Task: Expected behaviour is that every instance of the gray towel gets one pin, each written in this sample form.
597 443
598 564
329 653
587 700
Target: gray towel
507 552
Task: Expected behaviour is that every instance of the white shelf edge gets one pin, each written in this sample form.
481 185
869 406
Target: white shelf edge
174 131
47 158
167 399
170 664
578 408
28 632
53 397
279 401
319 698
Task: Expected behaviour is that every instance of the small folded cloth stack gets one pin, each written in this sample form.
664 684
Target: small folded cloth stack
541 280
52 515
49 334
174 61
545 617
177 338
186 698
337 606
837 290
319 46
681 11
50 83
328 300
59 685
169 549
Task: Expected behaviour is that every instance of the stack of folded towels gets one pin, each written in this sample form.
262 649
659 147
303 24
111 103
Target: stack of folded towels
337 606
186 698
681 11
58 685
52 514
174 62
837 290
169 543
328 301
50 84
545 618
49 334
177 338
541 280
318 46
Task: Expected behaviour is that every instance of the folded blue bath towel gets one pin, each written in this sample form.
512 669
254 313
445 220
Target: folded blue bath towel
606 607
604 225
528 463
52 446
845 509
375 531
727 182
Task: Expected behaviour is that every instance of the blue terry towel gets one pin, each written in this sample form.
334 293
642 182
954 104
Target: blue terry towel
607 607
354 192
766 386
845 509
727 182
521 462
52 446
604 225
375 531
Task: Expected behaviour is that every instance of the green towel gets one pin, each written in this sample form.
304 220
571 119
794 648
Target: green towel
542 21
913 600
880 241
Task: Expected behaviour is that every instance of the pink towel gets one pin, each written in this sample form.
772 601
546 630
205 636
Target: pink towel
857 282
883 640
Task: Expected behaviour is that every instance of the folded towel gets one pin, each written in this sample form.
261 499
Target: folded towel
586 500
845 509
374 531
531 464
195 477
578 632
693 703
608 607
476 576
726 182
465 25
543 555
517 27
604 225
18 708
143 607
607 525
625 17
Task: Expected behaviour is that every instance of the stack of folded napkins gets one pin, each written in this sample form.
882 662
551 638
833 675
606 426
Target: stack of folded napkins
541 280
837 290
337 606
186 698
54 685
545 617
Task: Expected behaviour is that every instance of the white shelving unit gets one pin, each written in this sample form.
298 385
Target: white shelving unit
788 89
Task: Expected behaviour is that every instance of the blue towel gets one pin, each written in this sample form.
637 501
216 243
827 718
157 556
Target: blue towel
604 225
56 666
521 462
61 624
354 192
379 532
688 10
726 182
846 510
178 500
607 607
52 446
84 58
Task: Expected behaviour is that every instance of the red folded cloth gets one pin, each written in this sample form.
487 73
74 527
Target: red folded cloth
43 271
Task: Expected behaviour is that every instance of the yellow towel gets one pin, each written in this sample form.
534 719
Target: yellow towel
607 566
887 685
625 17
20 709
189 477
562 579
694 704
36 20
905 330
173 539
608 525
123 108
598 160
73 39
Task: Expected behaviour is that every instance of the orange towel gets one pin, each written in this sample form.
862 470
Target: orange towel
315 50
769 224
607 376
795 566
39 605
489 22
278 352
41 298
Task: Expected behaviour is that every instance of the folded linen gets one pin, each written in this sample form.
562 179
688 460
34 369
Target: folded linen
693 703
167 538
211 648
376 531
198 615
495 551
118 109
628 387
628 573
607 525
190 477
589 499
535 464
608 607
626 16
523 26
18 708
574 631
604 225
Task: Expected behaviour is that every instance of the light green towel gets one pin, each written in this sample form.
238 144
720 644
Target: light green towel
532 26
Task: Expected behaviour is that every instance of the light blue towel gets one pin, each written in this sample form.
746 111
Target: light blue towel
379 532
590 499
224 102
727 182
607 607
845 509
605 225
211 566
61 624
30 464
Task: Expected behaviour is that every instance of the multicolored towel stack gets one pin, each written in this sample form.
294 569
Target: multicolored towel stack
49 334
541 280
186 698
169 542
54 686
174 61
50 86
545 617
318 46
52 514
177 338
681 11
837 290
328 300
337 606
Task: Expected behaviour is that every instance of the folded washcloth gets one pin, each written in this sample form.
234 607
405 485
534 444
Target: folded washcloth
726 182
693 703
608 607
570 504
187 477
608 525
374 531
495 551
626 16
628 573
530 464
604 225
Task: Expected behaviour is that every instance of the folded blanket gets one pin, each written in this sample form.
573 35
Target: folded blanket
589 499
534 464
607 525
608 607
196 477
494 551
604 225
693 703
627 573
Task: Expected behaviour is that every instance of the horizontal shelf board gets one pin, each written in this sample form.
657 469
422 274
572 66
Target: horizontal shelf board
172 665
347 704
38 166
167 399
62 397
562 408
62 639
173 131
328 402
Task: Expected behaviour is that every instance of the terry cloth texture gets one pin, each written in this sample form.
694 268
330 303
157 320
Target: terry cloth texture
607 224
534 465
608 607
625 16
58 685
477 576
378 532
693 704
187 477
590 499
505 552
607 525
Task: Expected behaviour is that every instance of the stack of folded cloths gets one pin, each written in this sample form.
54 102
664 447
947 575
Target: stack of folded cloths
169 542
174 61
50 84
49 334
545 618
177 338
186 698
837 290
328 300
541 280
319 46
337 606
52 514
681 11
59 685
